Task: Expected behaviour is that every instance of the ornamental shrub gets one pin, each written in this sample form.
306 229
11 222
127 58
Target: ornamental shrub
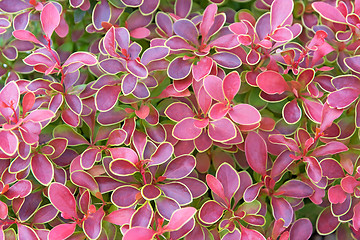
179 119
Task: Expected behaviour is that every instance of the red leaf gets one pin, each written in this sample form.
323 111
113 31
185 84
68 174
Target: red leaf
291 112
125 196
116 137
313 169
122 167
229 179
332 168
142 216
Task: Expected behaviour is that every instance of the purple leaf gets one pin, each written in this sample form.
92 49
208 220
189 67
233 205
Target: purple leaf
180 167
295 189
187 30
210 212
301 229
282 210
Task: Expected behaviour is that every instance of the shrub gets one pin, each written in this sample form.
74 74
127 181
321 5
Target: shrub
179 119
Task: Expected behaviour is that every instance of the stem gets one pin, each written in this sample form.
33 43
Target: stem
16 116
56 59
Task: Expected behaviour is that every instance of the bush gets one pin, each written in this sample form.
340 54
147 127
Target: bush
179 119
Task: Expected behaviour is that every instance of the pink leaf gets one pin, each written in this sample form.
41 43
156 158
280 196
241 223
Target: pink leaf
50 19
329 12
256 152
330 148
245 114
9 142
179 218
162 154
271 82
62 231
279 12
63 200
222 130
25 35
39 115
120 217
213 86
336 194
216 186
202 68
231 85
208 19
139 233
186 130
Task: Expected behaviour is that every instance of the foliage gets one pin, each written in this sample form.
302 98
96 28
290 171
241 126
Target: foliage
179 119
